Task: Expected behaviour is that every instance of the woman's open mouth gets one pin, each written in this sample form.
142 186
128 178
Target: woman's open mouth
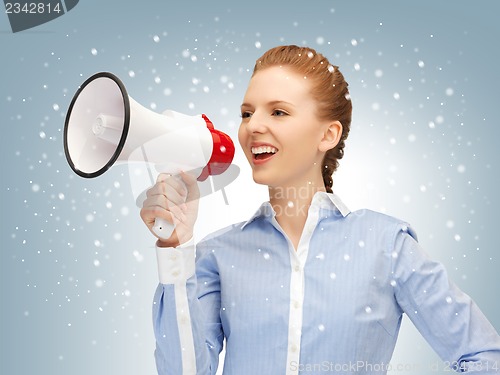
262 154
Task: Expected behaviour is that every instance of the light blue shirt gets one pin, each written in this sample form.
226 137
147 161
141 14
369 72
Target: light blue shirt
333 305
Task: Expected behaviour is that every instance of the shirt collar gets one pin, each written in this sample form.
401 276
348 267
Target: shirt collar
320 200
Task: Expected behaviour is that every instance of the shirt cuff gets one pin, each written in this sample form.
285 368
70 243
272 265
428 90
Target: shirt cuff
175 264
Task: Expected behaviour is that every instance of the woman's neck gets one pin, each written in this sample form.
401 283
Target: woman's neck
291 205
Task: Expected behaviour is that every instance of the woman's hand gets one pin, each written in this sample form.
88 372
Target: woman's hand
175 201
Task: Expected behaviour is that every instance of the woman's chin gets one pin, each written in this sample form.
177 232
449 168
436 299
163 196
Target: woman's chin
263 179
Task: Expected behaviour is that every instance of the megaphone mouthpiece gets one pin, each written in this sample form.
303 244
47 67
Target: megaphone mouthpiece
222 152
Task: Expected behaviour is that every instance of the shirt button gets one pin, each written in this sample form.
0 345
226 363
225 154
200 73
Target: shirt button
173 257
296 304
293 348
297 268
175 272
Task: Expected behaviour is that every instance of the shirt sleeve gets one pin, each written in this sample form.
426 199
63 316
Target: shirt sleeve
186 318
448 318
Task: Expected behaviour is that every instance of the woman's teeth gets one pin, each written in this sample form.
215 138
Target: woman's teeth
264 150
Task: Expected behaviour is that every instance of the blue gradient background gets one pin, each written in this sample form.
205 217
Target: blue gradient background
78 269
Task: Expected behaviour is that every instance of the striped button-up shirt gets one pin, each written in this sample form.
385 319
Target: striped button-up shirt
332 305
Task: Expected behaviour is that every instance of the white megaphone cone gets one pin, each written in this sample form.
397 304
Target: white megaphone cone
105 126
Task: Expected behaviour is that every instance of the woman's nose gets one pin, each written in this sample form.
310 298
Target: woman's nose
256 124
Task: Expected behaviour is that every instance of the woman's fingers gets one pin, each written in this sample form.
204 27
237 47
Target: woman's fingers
170 187
175 199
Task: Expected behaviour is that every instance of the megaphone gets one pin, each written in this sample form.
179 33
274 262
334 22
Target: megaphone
105 126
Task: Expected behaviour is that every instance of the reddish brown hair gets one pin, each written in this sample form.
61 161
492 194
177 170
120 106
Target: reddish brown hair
329 89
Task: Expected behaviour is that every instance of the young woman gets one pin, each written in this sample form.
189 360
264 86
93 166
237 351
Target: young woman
305 285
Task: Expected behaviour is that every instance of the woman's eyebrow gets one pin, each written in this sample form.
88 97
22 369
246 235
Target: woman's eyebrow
271 103
276 102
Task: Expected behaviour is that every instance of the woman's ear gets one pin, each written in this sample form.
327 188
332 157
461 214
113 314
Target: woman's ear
331 136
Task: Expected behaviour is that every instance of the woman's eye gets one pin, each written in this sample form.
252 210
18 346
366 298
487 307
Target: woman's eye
245 114
279 112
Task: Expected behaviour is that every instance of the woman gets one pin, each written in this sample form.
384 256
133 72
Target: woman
304 285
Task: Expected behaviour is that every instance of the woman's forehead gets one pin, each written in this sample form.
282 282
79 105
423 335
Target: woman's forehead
278 84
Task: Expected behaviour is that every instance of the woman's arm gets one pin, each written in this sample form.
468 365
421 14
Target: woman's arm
186 317
448 318
186 310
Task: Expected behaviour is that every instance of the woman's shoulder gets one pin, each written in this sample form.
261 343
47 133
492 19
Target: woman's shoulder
368 215
221 236
378 222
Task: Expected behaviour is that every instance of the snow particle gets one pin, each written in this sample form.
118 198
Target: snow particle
258 45
354 42
56 107
156 39
93 51
449 91
138 256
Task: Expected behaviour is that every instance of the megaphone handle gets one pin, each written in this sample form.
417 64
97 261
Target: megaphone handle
163 228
